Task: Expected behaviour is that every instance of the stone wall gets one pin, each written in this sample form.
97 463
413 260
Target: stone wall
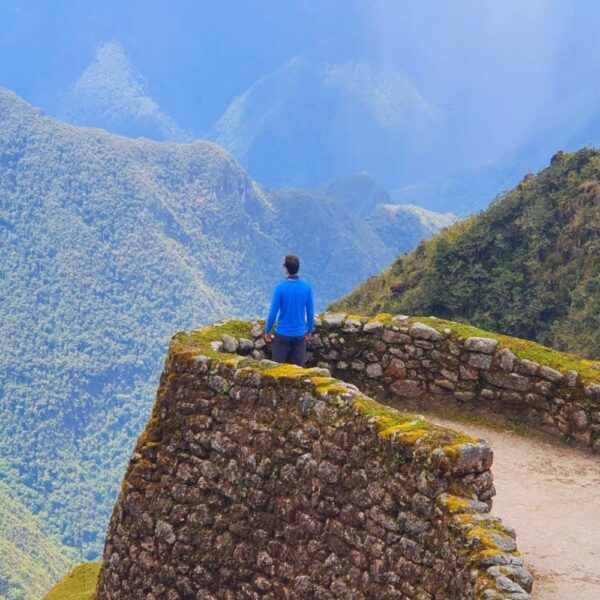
256 480
400 359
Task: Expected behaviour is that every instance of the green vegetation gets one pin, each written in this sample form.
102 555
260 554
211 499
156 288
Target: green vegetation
31 560
200 339
79 584
529 266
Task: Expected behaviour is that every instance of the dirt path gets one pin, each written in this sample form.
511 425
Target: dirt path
550 494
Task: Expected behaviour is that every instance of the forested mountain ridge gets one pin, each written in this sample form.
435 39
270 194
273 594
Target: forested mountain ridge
528 266
107 246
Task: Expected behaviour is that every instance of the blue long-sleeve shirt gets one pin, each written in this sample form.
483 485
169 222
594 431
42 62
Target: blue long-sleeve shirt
293 301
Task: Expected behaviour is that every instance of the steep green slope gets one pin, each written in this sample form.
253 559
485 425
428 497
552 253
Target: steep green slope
529 266
79 584
31 559
107 246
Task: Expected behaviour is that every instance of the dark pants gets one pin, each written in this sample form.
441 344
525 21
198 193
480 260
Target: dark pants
289 349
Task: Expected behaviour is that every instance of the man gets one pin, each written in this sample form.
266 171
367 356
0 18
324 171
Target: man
293 301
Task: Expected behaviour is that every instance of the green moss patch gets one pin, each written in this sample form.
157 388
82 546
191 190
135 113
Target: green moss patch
412 429
79 584
198 341
328 385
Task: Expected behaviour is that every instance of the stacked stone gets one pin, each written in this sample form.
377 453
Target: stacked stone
402 361
257 481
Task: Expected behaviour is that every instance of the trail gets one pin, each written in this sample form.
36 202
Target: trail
550 494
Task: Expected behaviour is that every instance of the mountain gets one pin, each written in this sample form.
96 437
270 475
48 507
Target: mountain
112 94
360 192
302 95
470 189
399 226
309 121
402 226
325 235
528 266
107 246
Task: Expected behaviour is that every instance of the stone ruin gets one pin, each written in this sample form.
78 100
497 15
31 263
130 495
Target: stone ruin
258 480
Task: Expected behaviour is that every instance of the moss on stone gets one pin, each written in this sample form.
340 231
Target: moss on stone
455 504
328 385
486 534
79 584
411 429
385 318
462 438
359 318
409 437
417 425
523 349
291 372
198 341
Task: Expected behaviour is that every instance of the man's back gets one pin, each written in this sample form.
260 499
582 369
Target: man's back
293 300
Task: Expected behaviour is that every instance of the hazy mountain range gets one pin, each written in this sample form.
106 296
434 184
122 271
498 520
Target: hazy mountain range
111 93
308 122
302 93
344 131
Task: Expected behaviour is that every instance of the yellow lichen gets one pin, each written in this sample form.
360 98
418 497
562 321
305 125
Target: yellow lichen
328 385
485 535
411 437
359 318
466 519
492 552
288 372
233 360
462 438
455 504
414 425
385 318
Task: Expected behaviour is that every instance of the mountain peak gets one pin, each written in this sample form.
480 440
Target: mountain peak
112 93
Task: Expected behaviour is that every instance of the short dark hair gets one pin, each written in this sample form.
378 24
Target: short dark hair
292 264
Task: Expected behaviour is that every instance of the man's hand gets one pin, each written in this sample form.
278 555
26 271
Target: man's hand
308 337
268 338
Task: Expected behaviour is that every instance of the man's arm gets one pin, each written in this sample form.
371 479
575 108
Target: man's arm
275 305
310 312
